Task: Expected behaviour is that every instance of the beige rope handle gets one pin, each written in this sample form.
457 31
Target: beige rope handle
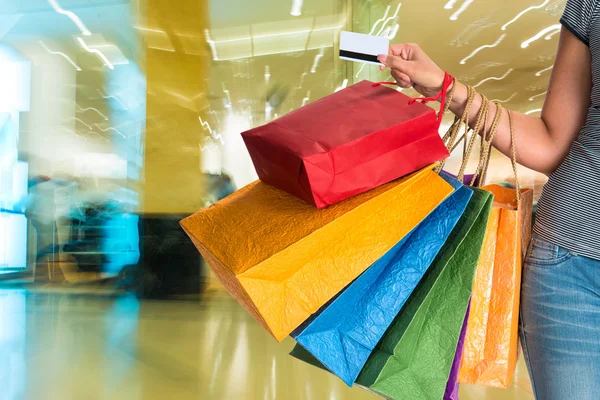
464 119
488 149
450 138
476 131
485 144
513 158
485 160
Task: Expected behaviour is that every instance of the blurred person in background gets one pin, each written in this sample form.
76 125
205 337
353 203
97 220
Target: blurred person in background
560 303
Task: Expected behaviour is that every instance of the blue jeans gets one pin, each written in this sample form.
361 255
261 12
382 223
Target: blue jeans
560 322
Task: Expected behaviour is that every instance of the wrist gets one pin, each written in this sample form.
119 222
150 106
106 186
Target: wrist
459 100
439 84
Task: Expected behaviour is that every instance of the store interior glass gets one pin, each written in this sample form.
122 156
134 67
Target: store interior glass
120 117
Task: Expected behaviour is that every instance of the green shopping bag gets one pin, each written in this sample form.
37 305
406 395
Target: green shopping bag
414 358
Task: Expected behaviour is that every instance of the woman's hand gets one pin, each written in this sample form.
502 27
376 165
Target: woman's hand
542 143
411 67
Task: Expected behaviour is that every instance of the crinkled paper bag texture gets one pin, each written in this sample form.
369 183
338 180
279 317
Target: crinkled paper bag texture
491 344
346 143
414 358
343 335
283 259
452 386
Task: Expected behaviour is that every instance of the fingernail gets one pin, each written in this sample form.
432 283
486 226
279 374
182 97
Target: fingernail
382 57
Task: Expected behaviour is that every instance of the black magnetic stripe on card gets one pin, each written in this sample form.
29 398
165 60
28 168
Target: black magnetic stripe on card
359 56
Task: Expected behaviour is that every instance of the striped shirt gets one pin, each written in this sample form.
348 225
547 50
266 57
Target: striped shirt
569 210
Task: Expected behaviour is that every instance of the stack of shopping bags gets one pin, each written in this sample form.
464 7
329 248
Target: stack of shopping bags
356 244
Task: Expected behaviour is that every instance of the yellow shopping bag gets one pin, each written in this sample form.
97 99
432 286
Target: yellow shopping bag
490 348
283 259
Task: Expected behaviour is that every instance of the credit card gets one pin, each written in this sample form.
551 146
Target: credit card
362 48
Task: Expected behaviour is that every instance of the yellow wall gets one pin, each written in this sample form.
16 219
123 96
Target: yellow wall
177 70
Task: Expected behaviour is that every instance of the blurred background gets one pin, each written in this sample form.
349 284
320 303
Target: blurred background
120 117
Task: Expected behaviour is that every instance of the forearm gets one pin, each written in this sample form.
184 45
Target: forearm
534 143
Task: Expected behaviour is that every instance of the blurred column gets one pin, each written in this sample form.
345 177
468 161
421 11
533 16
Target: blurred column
177 65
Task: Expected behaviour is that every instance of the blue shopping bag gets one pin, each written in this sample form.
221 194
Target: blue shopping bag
343 334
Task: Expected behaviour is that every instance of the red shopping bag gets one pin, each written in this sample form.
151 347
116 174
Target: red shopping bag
346 143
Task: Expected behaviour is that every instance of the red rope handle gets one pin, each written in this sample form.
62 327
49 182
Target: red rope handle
448 81
383 83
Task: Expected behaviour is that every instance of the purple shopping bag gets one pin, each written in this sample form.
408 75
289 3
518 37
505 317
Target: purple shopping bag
452 386
466 179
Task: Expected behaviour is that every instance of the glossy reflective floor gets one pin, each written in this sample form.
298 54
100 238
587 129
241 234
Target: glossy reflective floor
59 345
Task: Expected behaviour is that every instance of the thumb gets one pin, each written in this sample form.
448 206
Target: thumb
395 62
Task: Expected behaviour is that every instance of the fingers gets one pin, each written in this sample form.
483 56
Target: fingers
402 80
395 63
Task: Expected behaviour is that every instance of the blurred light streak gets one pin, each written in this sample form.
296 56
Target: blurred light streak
318 57
384 25
141 28
493 78
78 120
273 385
551 35
83 135
213 44
296 10
532 98
471 31
267 73
360 69
97 52
384 18
487 46
108 45
450 4
205 125
268 111
533 111
543 32
525 11
213 134
218 137
228 105
539 73
302 79
105 97
344 85
327 28
214 114
393 31
306 99
380 20
66 57
91 109
171 50
507 100
84 30
462 9
110 128
205 149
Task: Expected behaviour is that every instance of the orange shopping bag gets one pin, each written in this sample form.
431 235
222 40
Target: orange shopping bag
282 259
490 348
